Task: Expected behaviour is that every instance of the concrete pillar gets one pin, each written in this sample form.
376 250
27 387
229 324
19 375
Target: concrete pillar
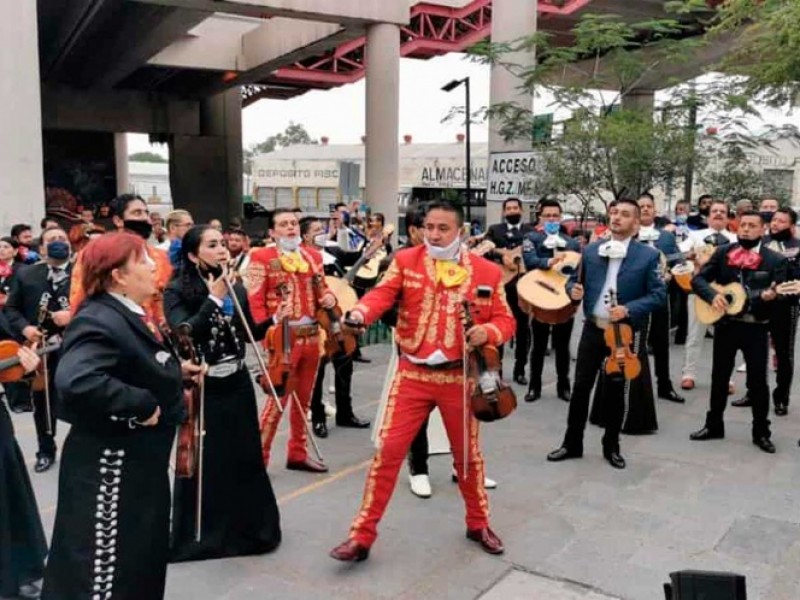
121 163
21 162
205 171
383 106
511 20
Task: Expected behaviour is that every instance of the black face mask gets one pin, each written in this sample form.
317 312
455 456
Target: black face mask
766 215
141 228
784 235
704 210
214 270
513 219
749 244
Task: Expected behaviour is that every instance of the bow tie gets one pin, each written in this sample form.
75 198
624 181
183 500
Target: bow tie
648 234
716 239
450 273
293 262
554 241
613 249
741 258
56 274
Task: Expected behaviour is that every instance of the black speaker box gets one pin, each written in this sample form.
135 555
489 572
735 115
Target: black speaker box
705 585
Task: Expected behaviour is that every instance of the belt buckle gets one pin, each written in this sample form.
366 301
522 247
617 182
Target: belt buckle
223 370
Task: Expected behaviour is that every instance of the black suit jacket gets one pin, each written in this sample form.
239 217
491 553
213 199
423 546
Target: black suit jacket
27 288
773 268
113 371
503 236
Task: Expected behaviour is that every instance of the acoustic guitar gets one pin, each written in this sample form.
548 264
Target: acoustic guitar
512 262
734 293
543 292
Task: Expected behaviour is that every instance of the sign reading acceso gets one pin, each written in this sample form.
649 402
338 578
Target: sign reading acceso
511 175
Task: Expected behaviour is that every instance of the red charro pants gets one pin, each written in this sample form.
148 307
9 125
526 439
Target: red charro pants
305 361
415 392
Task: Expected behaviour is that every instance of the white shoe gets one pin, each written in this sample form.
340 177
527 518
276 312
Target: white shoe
330 410
742 369
420 485
331 389
488 484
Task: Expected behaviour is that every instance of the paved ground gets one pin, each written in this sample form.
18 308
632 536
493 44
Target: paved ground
576 530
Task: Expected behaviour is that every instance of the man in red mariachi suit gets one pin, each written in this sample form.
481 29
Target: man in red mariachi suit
429 283
294 266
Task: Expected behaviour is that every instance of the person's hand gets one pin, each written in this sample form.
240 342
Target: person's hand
61 317
217 286
670 228
554 261
719 304
770 294
328 301
284 310
28 358
153 419
191 371
617 313
32 334
576 293
477 336
354 322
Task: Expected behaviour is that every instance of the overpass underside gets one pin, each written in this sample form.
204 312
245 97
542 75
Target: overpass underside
83 72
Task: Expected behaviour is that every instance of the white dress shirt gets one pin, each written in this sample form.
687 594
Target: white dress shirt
600 309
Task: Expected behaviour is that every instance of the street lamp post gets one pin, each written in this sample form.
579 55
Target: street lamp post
449 87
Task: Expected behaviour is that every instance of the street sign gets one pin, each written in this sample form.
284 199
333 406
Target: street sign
510 176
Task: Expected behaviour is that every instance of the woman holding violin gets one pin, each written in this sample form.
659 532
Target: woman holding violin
620 285
18 394
120 389
238 511
23 545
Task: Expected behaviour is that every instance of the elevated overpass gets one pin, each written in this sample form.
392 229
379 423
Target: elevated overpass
81 73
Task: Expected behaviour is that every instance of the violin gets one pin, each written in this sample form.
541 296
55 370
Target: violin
190 434
338 342
492 398
10 367
619 337
279 346
189 450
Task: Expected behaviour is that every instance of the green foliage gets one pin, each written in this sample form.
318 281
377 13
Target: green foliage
295 133
149 157
767 52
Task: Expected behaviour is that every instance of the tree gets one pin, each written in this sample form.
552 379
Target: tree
295 133
767 52
729 173
610 147
150 157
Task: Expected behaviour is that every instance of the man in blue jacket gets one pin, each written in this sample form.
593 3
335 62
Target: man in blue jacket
539 251
628 270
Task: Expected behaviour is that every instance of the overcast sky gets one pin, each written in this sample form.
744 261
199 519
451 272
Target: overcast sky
339 113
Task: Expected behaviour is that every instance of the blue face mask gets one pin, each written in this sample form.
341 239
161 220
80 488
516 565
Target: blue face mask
58 250
552 228
680 220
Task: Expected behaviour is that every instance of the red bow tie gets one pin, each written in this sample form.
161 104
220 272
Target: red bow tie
741 258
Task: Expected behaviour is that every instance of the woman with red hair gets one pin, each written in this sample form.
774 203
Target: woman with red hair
120 388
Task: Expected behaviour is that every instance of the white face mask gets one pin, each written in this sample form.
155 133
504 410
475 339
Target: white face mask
444 252
289 244
319 240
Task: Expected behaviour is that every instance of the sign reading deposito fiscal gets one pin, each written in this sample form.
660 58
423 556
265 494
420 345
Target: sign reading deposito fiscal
510 176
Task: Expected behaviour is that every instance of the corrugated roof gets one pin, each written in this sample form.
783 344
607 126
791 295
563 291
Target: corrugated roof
356 151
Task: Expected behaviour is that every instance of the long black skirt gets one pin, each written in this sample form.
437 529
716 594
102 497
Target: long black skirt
640 406
239 512
23 545
111 535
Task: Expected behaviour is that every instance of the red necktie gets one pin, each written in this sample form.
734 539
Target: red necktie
148 322
741 258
